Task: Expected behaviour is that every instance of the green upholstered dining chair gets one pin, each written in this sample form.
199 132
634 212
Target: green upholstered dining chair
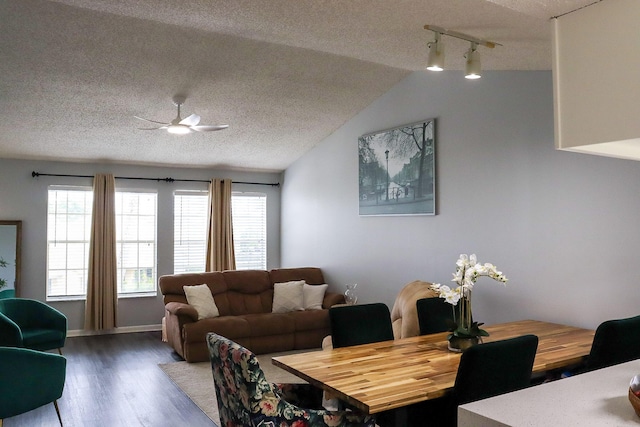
616 341
31 324
360 324
246 398
485 370
30 379
434 315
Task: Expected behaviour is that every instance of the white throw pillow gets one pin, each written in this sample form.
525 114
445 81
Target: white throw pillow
288 296
200 297
313 296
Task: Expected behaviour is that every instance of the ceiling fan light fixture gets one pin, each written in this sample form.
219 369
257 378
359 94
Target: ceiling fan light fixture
178 129
435 60
180 126
473 68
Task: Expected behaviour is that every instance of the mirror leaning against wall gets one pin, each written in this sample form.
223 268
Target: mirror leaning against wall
10 235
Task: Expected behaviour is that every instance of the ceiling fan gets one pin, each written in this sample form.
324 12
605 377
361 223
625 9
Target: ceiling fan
180 126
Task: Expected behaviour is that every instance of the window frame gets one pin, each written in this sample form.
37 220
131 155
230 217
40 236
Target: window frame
178 228
73 297
234 194
119 254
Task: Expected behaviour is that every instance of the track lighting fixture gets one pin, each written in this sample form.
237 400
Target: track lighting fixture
472 66
435 61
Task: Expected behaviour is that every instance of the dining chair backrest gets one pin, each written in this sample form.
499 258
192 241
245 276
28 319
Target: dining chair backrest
434 315
404 316
246 398
616 341
495 368
360 324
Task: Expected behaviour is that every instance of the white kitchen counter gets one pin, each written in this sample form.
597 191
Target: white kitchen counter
597 398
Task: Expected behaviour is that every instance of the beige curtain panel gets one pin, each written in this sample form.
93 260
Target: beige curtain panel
102 288
220 252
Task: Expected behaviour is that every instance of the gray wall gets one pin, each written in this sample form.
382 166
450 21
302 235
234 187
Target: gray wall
25 198
561 226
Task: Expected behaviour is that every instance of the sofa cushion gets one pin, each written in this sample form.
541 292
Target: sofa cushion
199 296
308 320
249 291
313 295
228 326
288 296
266 324
311 275
172 286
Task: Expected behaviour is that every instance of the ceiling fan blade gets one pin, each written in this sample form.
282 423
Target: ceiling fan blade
152 121
161 127
209 128
192 120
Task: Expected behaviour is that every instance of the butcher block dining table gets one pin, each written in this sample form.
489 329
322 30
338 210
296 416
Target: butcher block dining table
387 375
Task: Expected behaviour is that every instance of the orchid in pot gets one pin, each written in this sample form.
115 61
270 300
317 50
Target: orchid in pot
465 332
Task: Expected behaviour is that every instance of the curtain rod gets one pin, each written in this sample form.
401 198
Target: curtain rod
35 174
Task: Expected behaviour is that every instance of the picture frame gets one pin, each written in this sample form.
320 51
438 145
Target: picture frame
396 170
10 258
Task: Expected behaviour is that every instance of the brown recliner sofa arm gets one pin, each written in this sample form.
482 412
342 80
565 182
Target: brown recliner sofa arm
332 298
182 310
177 314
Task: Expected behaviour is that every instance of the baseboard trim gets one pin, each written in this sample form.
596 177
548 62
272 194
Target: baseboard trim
121 330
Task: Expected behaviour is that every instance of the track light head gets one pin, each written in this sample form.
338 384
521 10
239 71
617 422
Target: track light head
436 51
473 69
435 61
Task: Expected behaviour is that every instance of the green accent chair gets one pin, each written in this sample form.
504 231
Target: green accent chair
485 370
616 341
31 324
246 398
8 293
434 315
30 379
360 324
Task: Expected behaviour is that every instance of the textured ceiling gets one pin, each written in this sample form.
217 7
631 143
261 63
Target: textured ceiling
284 74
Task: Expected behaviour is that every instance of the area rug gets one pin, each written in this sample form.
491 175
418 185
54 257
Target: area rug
196 380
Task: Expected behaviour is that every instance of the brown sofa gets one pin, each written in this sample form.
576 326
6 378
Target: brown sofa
244 299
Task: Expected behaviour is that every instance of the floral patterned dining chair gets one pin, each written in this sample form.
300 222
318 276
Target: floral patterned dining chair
247 399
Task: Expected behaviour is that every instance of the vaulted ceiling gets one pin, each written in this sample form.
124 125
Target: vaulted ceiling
284 74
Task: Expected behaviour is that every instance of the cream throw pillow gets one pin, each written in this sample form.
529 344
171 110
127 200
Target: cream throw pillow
313 296
200 297
288 296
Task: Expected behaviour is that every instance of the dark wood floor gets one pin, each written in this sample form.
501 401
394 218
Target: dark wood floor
114 380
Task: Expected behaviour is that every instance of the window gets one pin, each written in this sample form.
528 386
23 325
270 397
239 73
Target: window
250 230
68 238
190 230
136 242
68 234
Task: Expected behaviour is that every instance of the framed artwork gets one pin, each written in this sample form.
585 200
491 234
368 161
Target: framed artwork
397 170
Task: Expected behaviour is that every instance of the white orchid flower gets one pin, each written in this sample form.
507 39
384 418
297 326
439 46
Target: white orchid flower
443 289
463 261
473 260
458 277
452 296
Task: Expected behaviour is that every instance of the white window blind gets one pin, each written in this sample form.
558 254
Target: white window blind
136 242
190 231
249 211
